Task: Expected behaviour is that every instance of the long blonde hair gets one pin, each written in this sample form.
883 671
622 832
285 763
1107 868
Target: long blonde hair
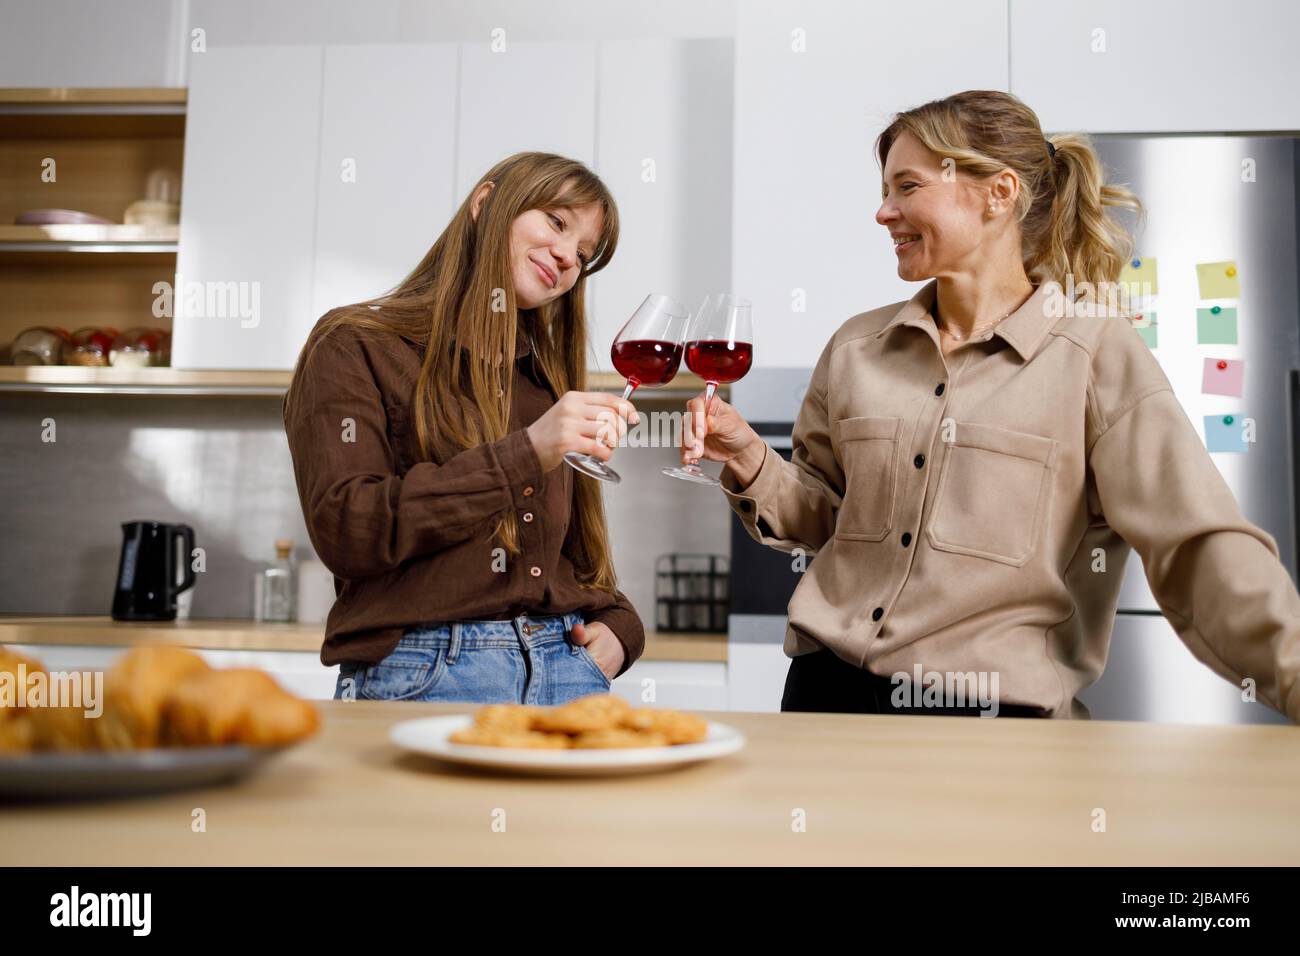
453 300
1062 207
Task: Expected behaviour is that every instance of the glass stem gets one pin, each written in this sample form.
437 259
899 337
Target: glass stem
710 389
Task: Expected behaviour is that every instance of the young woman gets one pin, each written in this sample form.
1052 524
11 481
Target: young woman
427 429
971 466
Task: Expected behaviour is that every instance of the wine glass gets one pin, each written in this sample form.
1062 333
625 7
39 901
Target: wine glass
647 352
719 349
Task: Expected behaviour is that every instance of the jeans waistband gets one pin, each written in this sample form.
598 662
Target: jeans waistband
530 628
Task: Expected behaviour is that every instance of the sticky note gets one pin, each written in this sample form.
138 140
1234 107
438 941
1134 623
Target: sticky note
1216 326
1225 433
1218 280
1145 324
1223 376
1139 276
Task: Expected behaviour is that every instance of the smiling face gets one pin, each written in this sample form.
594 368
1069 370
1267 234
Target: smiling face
548 250
938 222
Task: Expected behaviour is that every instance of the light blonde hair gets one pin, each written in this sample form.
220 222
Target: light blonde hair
1062 207
446 305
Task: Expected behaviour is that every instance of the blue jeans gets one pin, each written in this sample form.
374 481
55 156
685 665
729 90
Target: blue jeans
528 660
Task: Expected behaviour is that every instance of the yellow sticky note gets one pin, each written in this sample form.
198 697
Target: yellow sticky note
1139 277
1218 280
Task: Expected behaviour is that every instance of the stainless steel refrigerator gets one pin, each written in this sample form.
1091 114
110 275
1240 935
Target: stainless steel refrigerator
1212 199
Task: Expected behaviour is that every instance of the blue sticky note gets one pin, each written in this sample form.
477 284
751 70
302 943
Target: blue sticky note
1216 326
1224 433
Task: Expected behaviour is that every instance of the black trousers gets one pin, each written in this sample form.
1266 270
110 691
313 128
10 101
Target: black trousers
822 682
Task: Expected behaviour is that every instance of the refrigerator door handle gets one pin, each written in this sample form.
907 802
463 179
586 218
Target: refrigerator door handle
1293 404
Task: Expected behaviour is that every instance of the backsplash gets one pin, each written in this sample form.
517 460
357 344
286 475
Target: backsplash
222 466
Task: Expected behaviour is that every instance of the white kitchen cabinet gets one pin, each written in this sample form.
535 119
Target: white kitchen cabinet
86 43
529 96
685 685
815 84
248 207
663 147
299 672
387 166
1111 66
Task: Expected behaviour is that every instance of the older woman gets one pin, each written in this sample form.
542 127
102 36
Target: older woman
971 466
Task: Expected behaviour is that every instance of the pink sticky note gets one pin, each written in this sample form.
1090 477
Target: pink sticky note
1223 376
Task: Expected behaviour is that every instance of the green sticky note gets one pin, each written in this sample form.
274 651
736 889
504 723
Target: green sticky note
1139 277
1145 324
1216 328
1218 280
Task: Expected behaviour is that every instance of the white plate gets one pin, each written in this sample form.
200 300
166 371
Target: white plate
428 735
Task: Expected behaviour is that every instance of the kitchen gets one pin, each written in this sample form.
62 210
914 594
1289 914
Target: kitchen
237 170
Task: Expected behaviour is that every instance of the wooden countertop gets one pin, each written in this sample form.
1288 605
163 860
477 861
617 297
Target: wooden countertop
243 635
875 790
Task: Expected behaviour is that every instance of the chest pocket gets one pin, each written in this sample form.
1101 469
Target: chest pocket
401 437
994 493
868 450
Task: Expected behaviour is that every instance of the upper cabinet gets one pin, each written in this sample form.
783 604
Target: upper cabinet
1160 66
318 176
663 146
387 167
525 96
75 43
815 84
243 295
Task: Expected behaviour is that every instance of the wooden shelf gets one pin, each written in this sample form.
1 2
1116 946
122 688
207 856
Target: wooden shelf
178 381
143 381
71 98
89 238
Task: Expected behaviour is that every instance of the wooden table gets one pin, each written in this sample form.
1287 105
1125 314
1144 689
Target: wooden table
873 790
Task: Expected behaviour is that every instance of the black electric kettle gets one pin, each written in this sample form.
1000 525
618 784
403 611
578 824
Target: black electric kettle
146 575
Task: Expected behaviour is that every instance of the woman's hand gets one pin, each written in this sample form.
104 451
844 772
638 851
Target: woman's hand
589 422
725 436
602 645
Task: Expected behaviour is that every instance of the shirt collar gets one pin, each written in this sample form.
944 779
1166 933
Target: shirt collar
1024 329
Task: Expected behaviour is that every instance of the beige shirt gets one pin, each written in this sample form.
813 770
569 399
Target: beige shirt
973 513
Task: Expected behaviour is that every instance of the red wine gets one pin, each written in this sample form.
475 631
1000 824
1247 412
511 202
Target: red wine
647 362
719 361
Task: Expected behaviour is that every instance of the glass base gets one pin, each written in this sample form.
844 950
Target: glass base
691 473
592 466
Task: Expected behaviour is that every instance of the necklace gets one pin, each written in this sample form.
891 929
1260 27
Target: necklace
958 337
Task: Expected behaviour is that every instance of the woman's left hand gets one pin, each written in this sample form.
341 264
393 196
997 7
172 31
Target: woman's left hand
602 645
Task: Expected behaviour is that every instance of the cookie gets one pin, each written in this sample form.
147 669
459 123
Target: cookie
528 739
618 738
596 712
676 726
506 717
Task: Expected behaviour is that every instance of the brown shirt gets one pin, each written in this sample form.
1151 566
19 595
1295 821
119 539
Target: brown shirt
409 541
973 513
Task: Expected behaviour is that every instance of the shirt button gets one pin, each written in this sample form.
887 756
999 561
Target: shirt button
528 516
907 538
877 614
919 460
528 491
938 389
535 571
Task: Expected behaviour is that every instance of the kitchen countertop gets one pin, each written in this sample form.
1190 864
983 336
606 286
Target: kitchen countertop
245 635
875 790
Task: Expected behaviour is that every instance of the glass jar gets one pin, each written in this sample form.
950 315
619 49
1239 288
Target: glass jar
40 345
140 347
90 346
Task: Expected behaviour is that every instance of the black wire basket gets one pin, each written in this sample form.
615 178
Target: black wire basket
692 592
